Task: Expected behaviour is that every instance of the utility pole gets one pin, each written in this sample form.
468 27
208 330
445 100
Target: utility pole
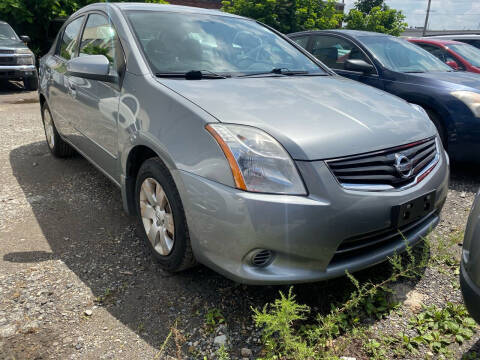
426 18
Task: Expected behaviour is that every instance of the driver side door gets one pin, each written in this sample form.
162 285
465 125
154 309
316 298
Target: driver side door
98 101
334 50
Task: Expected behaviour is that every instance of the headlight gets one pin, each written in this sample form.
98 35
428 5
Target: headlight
258 162
23 51
25 60
471 99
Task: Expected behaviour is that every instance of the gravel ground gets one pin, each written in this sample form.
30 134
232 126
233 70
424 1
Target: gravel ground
76 282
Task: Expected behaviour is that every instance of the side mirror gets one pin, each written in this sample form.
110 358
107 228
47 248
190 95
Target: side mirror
453 64
358 65
26 39
94 67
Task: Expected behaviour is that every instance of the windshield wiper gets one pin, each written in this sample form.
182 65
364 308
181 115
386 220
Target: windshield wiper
279 71
414 72
193 75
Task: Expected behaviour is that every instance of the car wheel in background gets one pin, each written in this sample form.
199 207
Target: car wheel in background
162 218
31 83
57 146
439 125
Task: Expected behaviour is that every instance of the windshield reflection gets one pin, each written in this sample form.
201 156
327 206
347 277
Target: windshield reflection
399 55
179 43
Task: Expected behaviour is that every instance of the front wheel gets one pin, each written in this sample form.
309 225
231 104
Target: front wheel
160 213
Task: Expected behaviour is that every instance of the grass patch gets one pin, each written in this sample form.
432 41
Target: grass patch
213 318
435 328
287 333
445 251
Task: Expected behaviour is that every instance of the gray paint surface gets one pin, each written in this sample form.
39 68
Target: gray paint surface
471 243
314 118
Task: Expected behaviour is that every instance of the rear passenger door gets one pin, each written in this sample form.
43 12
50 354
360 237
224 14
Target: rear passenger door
98 101
334 50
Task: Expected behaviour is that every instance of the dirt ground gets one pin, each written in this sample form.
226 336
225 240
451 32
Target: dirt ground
76 281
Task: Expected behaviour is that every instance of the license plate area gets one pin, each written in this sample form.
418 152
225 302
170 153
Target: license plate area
413 210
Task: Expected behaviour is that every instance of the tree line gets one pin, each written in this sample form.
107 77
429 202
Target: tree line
41 19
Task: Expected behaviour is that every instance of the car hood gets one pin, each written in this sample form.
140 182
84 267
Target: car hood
314 117
9 43
453 79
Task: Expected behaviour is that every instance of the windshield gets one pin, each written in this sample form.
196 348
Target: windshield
400 55
6 32
177 42
468 52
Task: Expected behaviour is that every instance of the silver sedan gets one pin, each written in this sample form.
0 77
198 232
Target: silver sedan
237 149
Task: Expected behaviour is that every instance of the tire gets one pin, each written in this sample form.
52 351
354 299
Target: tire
170 246
439 125
30 83
57 146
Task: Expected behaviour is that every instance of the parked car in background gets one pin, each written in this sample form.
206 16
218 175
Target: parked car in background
451 99
471 39
470 263
459 56
17 61
236 148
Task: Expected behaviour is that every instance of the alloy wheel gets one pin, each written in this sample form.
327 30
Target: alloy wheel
157 216
49 130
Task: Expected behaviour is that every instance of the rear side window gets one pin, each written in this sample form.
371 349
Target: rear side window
100 38
68 44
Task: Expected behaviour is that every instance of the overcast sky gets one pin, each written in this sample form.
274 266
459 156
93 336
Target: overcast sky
444 14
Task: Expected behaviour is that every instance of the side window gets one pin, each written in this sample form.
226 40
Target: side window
476 43
301 40
472 42
333 51
435 51
100 38
68 44
441 54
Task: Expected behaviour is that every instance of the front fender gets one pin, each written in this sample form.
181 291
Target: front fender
158 118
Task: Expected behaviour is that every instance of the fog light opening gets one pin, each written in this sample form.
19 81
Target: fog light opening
261 257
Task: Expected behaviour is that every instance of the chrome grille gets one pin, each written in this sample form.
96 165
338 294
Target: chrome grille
9 60
388 169
7 51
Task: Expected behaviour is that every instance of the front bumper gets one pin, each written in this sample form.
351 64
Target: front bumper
17 71
303 232
471 293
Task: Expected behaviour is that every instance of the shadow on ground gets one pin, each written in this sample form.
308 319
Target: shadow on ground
11 87
80 214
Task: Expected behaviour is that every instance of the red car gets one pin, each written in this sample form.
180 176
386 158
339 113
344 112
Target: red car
458 55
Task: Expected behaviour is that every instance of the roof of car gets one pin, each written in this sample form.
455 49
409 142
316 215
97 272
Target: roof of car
456 36
158 7
436 41
351 33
